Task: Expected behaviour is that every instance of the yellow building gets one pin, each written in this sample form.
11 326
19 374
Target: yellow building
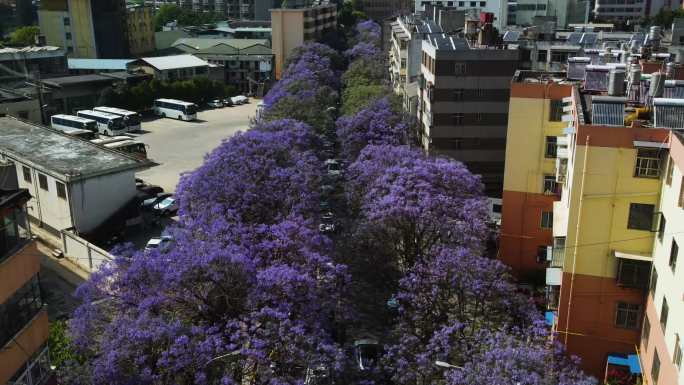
292 27
140 27
23 317
85 28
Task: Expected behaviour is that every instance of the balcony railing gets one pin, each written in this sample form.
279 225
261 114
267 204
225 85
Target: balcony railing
552 297
35 371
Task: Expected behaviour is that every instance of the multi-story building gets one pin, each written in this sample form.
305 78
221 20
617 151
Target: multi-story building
463 104
582 201
86 28
382 9
499 8
247 63
612 10
292 27
407 34
23 314
140 28
662 338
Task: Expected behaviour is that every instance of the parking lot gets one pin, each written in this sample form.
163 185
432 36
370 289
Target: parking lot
180 146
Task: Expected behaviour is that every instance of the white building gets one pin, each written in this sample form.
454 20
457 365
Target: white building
498 7
73 183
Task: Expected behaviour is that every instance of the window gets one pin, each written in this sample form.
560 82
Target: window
23 115
19 309
42 182
458 119
645 332
458 94
661 227
68 35
674 250
480 93
664 310
627 315
459 68
27 174
67 21
403 63
483 3
647 163
61 190
677 356
551 147
556 110
547 219
550 186
541 56
631 273
654 281
640 216
670 171
473 4
655 367
461 3
479 116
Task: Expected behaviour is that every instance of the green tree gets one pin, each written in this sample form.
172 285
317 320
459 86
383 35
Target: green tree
363 72
358 97
24 35
61 349
165 14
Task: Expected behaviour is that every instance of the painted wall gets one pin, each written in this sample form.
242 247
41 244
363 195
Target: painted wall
669 284
17 270
95 199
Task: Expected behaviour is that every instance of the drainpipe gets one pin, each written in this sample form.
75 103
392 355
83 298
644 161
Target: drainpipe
577 229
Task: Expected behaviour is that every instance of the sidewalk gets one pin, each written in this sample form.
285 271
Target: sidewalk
67 270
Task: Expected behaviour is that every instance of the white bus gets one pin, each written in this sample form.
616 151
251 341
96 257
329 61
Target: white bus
107 124
79 133
69 122
124 144
178 109
131 118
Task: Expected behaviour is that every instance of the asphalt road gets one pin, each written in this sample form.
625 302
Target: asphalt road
180 146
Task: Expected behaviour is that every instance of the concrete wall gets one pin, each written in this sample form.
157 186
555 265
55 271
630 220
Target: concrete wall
85 254
25 109
287 34
96 199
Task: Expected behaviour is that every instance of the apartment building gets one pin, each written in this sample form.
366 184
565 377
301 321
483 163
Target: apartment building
584 203
623 10
23 314
292 27
499 8
662 338
74 184
86 28
463 104
140 29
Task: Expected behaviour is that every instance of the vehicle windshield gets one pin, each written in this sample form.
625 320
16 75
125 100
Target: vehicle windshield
118 123
92 126
191 109
333 167
166 202
133 120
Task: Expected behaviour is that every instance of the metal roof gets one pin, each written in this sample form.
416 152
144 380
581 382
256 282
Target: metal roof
76 79
204 43
98 64
59 154
511 36
174 62
608 110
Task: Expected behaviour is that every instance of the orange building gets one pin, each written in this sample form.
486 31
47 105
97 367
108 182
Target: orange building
23 317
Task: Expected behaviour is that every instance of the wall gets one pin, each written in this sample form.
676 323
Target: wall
18 269
31 109
96 199
287 34
669 283
85 254
140 30
13 355
82 29
52 27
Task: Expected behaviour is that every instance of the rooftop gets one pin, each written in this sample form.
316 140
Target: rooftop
60 154
7 96
173 62
204 43
98 64
30 49
64 81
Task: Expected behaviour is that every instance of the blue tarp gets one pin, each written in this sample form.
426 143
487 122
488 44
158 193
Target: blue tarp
631 361
549 315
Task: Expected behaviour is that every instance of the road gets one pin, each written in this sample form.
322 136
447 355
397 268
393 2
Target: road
181 146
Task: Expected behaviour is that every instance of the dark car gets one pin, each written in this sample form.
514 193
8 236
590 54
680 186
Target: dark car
366 353
151 190
149 203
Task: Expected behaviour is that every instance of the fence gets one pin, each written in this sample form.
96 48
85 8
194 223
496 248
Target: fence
85 254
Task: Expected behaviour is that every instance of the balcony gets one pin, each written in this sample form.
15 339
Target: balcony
558 252
554 276
561 165
633 270
552 294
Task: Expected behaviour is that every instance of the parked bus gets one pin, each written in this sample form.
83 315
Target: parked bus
124 144
70 122
79 133
107 124
130 146
131 118
178 109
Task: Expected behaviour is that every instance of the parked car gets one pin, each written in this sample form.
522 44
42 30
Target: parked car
236 100
162 243
227 102
327 216
150 202
318 375
366 353
326 228
151 190
167 206
216 103
333 167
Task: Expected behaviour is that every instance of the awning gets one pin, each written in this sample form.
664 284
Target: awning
634 257
631 361
641 143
